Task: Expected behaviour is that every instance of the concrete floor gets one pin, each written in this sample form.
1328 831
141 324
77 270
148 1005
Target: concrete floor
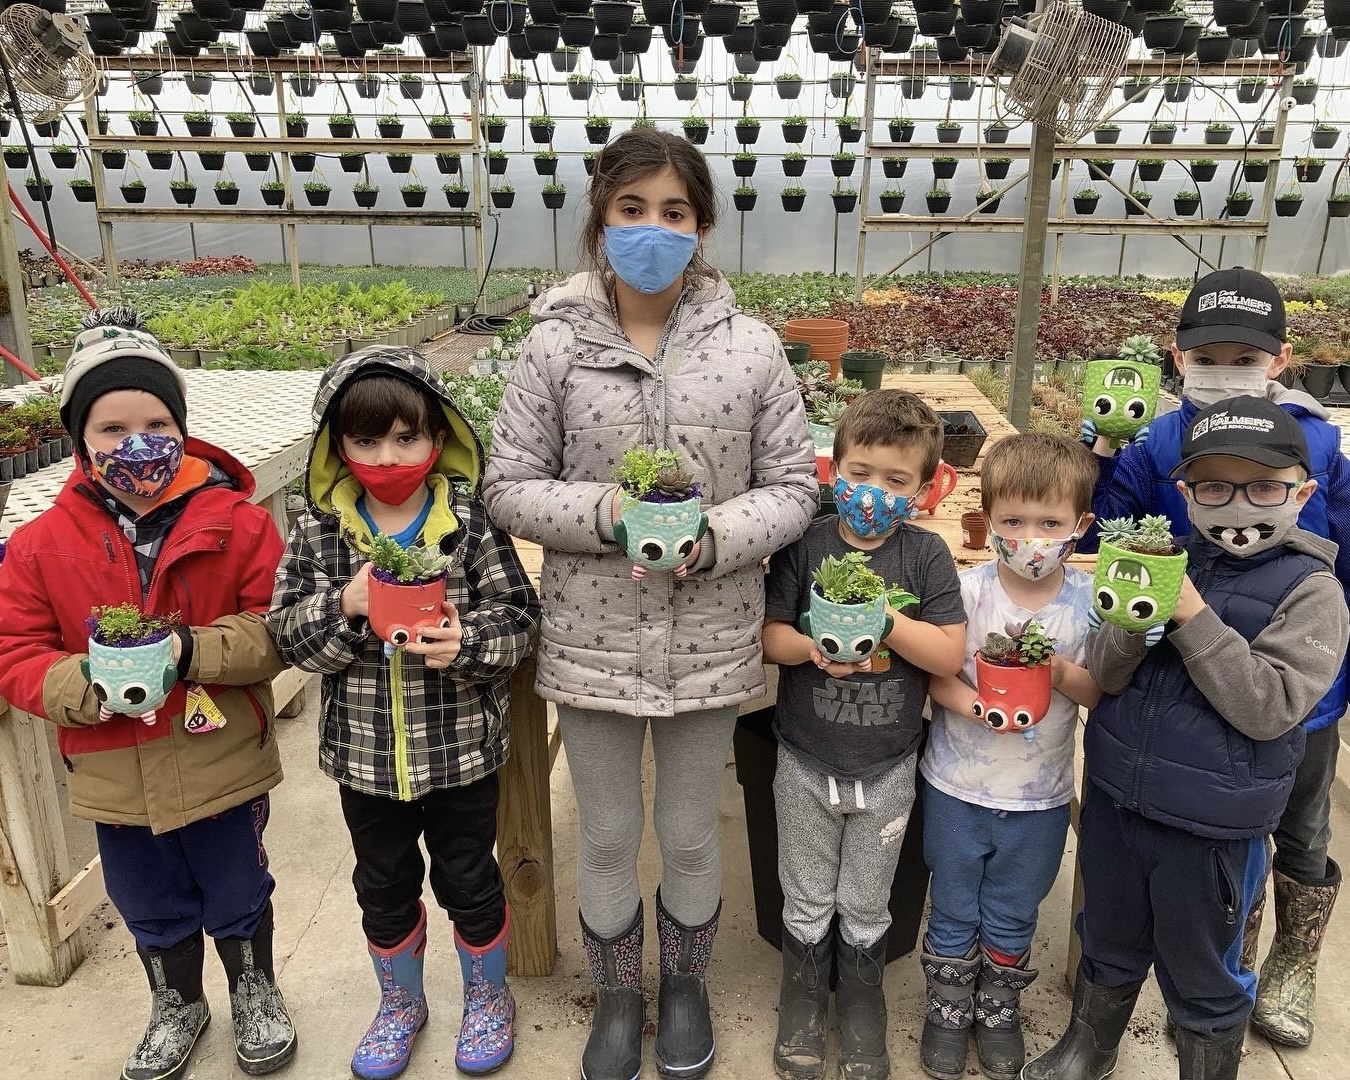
83 1030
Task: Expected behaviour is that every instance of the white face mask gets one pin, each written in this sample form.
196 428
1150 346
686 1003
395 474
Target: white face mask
1241 528
1209 384
1033 557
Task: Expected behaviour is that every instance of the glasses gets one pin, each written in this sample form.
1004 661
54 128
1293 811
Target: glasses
1256 492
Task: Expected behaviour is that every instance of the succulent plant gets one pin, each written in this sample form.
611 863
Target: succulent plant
998 649
1034 645
407 566
676 482
1140 349
828 410
126 625
1150 535
848 579
655 475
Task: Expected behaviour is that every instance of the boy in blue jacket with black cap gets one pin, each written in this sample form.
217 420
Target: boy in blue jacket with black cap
1192 750
1231 341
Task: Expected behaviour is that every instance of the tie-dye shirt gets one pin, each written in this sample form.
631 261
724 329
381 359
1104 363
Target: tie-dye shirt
1009 771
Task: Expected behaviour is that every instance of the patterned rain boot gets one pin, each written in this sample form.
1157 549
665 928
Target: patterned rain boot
387 1044
614 1049
998 1016
803 997
1088 1049
951 1011
178 1011
861 1004
1286 992
487 1033
684 1034
264 1037
1214 1057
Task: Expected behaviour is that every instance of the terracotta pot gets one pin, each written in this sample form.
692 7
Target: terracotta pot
943 484
1120 396
828 338
131 680
397 611
1135 591
823 463
846 632
974 530
660 536
1014 698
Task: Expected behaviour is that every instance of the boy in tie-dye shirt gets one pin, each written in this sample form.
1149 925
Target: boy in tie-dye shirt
996 801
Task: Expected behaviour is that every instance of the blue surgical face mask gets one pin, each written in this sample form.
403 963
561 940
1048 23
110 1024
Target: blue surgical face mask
868 510
650 258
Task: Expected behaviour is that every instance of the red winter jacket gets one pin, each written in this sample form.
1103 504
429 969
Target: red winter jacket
215 570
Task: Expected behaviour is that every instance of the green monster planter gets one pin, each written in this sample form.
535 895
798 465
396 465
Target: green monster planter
1139 573
1120 397
847 619
130 663
660 517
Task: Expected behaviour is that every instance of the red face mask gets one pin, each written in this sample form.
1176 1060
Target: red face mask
392 485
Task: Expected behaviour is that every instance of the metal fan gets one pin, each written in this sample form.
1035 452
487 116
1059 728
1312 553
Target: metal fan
1063 62
49 60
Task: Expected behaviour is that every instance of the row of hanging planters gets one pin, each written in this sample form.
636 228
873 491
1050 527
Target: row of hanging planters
1187 203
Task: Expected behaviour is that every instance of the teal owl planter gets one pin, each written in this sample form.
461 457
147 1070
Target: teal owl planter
1120 396
131 680
660 535
822 435
846 632
1139 573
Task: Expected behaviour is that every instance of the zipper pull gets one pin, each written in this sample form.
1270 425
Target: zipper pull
107 546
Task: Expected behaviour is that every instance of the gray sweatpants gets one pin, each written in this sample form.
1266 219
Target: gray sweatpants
838 846
604 756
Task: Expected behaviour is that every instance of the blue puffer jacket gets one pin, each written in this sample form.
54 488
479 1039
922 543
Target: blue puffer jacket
1138 482
1161 750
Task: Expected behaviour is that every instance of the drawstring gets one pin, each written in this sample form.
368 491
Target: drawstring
834 791
859 803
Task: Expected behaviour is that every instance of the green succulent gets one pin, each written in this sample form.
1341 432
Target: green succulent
848 579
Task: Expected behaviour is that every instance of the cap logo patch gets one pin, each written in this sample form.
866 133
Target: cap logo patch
1231 300
1221 422
1207 302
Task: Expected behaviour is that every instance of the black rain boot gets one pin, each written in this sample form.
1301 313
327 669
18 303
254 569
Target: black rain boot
803 998
684 1034
861 1004
1088 1049
998 1016
614 1049
951 1011
1214 1057
264 1037
178 1011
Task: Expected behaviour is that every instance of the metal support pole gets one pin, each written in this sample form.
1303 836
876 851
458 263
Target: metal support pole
13 301
370 239
1032 275
1059 235
479 164
865 188
289 236
1268 188
740 260
96 174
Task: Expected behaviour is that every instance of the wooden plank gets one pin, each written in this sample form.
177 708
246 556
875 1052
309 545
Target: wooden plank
288 685
67 910
34 860
525 832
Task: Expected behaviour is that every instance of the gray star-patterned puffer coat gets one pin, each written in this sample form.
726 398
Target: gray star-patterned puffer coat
721 392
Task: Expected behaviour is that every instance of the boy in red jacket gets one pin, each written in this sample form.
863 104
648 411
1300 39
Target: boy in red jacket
152 518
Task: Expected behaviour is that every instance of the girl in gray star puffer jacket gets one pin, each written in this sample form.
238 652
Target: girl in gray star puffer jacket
651 351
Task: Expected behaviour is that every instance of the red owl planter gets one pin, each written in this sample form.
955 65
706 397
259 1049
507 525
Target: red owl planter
398 611
1011 698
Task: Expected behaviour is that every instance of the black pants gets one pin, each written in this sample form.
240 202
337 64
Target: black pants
460 828
1304 831
1158 896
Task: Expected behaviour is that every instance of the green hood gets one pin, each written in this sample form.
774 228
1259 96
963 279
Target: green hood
330 488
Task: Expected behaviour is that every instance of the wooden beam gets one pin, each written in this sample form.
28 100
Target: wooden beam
525 832
950 223
1081 150
228 215
34 860
67 910
288 685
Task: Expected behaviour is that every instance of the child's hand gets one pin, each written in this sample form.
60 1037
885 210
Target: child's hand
442 642
356 595
836 670
640 571
1189 604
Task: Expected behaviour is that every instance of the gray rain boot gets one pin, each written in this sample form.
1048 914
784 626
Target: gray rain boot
998 1017
1215 1057
178 1011
1088 1049
684 1034
614 1049
861 1004
264 1037
951 1011
803 998
1286 992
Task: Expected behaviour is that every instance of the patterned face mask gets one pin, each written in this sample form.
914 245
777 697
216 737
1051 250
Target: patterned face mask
143 465
869 510
1242 529
1033 557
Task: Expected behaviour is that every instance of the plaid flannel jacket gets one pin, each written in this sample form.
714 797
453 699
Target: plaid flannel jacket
453 727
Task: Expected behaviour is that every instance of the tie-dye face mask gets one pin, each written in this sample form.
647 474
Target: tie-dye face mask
143 465
869 510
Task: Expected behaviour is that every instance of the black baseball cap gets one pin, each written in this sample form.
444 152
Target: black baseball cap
1251 428
1237 305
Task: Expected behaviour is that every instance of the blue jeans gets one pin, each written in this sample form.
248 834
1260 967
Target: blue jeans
211 875
991 870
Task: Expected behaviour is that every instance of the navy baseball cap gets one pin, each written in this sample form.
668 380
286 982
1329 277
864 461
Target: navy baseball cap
1251 428
1237 305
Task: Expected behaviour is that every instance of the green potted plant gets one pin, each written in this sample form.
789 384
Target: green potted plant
1255 170
849 129
515 85
411 86
16 157
793 197
1106 133
1239 202
1137 205
494 127
113 159
1338 204
1151 169
545 163
580 86
297 127
1204 169
199 124
456 196
82 188
273 192
133 191
496 162
944 168
1120 393
365 195
1186 202
996 168
447 164
227 192
390 126
794 128
893 166
406 591
414 194
1309 169
184 191
342 125
1012 678
794 163
503 197
630 87
660 508
1324 136
996 132
555 195
892 200
1139 573
1250 88
1086 200
788 85
1162 131
842 163
744 197
143 122
695 129
845 200
949 131
317 192
242 124
542 127
686 88
597 130
1288 203
402 163
352 161
1099 167
846 617
739 88
747 130
130 664
938 199
900 129
1304 91
1217 133
987 200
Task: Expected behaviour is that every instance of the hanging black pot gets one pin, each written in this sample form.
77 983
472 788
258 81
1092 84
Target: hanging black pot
347 46
1280 33
1190 37
577 30
519 47
1253 29
386 33
692 49
329 22
936 23
450 36
740 40
904 38
637 39
721 18
412 17
606 46
680 31
1302 50
767 54
773 34
377 10
780 12
541 37
572 7
950 51
1213 48
1330 46
1163 31
506 16
363 33
478 30
658 12
612 16
1235 12
541 11
973 35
